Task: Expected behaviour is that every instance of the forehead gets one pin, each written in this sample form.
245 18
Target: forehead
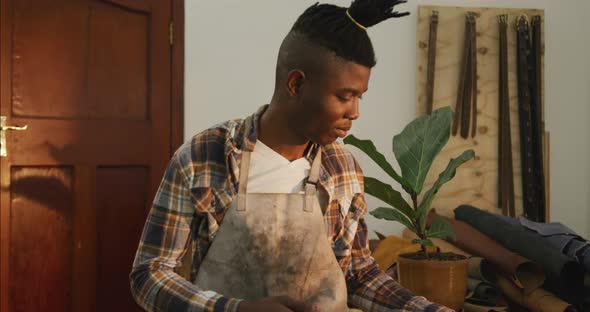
338 72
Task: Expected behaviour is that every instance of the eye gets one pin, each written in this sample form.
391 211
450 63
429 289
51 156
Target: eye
343 98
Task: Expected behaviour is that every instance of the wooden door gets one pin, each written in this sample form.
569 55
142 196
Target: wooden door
92 80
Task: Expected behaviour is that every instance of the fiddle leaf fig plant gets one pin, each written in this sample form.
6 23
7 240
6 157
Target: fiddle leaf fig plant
415 149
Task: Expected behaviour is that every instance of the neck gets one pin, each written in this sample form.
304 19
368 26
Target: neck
274 131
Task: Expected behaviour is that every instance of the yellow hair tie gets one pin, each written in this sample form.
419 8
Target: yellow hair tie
354 21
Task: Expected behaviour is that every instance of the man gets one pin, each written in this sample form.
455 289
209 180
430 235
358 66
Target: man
275 206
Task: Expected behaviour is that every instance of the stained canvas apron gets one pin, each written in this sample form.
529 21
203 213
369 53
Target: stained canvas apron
273 245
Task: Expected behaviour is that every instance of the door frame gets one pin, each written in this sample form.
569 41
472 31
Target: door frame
177 76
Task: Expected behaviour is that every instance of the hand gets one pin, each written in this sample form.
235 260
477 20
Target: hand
277 304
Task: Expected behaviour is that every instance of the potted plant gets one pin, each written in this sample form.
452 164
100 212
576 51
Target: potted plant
440 277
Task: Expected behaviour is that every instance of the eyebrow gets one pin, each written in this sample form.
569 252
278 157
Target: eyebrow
352 90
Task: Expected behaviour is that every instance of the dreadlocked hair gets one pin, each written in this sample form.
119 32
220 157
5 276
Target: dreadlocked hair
329 26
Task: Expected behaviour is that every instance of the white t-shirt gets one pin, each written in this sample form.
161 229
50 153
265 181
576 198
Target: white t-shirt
270 172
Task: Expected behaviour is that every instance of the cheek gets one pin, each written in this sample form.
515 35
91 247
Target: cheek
331 112
320 114
326 119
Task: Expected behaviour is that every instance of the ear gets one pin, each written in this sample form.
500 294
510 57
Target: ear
295 81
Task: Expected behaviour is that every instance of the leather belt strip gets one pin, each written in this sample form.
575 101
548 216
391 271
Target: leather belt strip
466 106
505 165
431 61
526 155
536 118
461 87
468 89
474 77
530 183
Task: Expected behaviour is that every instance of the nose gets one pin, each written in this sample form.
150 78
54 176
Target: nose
353 111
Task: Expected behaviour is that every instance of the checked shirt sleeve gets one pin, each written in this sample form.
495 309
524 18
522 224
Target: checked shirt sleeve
155 285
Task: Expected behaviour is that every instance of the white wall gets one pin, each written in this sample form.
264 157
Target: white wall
231 48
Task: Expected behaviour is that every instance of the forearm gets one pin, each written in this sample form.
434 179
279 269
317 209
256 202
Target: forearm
372 290
156 287
154 283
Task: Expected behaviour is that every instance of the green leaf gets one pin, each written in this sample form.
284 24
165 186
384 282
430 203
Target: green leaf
424 242
369 148
417 146
440 228
393 215
390 196
444 177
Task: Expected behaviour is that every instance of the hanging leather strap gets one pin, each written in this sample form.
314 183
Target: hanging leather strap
431 61
469 92
536 118
505 166
530 203
501 81
474 77
460 104
466 107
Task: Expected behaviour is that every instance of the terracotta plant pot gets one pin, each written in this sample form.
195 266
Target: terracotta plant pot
443 282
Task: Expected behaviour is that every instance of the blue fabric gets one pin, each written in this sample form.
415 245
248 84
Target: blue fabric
557 235
561 237
547 229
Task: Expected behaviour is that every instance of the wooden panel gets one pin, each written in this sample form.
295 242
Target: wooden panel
137 5
84 266
101 49
118 63
43 60
122 210
41 239
83 142
476 182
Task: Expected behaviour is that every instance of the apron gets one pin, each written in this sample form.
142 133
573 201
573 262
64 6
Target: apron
274 245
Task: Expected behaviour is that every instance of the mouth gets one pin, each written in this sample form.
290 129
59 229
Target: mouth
341 132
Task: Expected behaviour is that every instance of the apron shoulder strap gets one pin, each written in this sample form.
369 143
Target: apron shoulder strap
314 173
312 181
243 184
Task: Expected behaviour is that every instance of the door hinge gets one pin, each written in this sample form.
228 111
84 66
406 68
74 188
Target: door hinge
171 33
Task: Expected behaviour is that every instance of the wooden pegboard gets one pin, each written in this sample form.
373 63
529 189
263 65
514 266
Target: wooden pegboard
476 182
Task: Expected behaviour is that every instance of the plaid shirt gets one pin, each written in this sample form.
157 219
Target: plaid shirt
198 188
